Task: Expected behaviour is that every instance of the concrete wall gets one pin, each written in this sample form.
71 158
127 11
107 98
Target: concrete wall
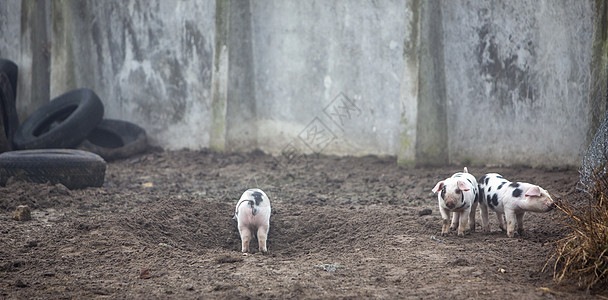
310 53
149 61
503 83
518 80
432 82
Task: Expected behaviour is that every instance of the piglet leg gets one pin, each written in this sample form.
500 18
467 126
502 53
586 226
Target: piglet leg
245 238
510 216
262 235
520 223
501 221
455 220
485 220
464 222
472 217
445 221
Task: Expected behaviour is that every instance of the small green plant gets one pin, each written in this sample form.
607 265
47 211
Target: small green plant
582 256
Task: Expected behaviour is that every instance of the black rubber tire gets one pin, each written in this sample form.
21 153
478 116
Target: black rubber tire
4 144
8 95
116 139
64 122
75 169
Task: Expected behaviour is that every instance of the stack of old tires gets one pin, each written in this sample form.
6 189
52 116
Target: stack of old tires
43 148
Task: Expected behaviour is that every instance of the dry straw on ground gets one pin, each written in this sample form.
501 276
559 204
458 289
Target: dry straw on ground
582 256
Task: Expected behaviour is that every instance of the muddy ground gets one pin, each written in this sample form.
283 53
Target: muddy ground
341 228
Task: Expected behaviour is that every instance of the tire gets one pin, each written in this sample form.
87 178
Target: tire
116 139
75 169
8 109
64 122
4 143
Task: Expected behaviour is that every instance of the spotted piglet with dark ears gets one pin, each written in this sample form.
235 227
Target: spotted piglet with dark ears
511 199
457 196
252 214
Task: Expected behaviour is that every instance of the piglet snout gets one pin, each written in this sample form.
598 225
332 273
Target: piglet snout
450 204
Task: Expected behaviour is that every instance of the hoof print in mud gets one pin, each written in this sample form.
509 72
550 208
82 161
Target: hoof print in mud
425 212
144 273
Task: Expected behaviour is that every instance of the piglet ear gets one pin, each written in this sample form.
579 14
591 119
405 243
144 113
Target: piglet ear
533 192
466 170
463 186
438 187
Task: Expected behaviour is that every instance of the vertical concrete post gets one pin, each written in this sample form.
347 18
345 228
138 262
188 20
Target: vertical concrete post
241 128
424 90
63 71
431 129
34 68
598 92
219 80
10 30
233 95
409 87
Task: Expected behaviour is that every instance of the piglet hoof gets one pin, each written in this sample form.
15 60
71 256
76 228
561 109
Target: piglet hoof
444 234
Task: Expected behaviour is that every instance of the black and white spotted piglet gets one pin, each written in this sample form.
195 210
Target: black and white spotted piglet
513 199
458 194
252 214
